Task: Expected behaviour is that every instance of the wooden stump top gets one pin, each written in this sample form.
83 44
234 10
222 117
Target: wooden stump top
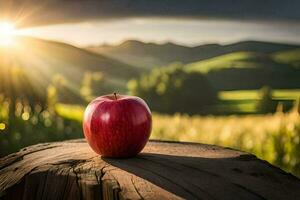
164 170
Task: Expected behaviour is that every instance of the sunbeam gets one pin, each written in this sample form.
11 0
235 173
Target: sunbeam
7 34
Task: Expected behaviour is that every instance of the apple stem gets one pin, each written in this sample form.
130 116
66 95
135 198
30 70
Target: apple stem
115 95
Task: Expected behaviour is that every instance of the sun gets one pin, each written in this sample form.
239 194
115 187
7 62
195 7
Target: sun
7 33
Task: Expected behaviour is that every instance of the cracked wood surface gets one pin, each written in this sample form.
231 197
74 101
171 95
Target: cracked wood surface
164 170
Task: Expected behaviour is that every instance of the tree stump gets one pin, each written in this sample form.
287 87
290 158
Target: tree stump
164 170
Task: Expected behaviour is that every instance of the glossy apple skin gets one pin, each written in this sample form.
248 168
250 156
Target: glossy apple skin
117 126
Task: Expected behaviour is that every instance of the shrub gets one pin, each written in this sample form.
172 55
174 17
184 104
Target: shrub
266 104
172 89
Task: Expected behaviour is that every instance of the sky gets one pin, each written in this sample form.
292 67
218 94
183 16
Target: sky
189 31
45 12
188 22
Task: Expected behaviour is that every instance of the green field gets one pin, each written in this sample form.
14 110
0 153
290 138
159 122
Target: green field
71 112
244 101
254 94
289 57
232 60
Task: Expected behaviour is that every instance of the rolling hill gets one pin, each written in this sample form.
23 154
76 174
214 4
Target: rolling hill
29 68
149 55
241 65
250 70
33 64
231 60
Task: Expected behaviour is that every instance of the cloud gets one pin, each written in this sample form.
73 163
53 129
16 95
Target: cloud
45 12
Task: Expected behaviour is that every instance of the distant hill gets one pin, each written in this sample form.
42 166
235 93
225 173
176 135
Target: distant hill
235 60
33 64
241 65
149 55
251 70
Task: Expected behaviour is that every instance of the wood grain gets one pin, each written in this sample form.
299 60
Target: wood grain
164 170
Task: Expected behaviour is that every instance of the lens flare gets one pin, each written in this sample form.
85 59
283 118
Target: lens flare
7 34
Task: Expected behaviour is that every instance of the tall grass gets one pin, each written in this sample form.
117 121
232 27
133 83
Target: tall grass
22 124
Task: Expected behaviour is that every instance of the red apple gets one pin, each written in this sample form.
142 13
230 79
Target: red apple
117 125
